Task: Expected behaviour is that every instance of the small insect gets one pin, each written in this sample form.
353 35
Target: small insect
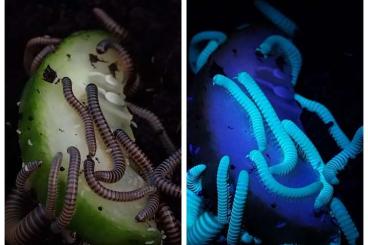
108 138
84 114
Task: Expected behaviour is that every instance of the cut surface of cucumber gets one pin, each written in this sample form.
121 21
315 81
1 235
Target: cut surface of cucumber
49 125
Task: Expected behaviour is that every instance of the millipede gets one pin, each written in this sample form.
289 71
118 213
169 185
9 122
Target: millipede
109 194
33 45
70 198
24 173
36 62
156 125
150 209
168 222
52 184
134 153
118 31
166 168
84 114
107 136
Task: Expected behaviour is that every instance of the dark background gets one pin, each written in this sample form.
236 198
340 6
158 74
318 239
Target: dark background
155 30
331 42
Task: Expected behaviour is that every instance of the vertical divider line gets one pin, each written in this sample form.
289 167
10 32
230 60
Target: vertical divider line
184 121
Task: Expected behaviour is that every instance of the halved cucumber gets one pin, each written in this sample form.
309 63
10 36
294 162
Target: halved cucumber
49 124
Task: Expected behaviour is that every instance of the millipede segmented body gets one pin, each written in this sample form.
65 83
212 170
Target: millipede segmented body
276 17
150 209
34 45
40 57
111 194
118 31
222 180
273 121
338 162
278 45
125 59
108 138
24 174
70 198
253 112
32 227
135 153
165 168
204 230
194 182
156 125
169 224
344 220
53 184
14 212
84 114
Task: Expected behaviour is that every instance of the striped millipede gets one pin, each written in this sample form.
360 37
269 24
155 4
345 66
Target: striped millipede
126 60
83 113
118 31
14 212
109 194
169 224
70 198
33 45
108 138
32 227
40 56
164 169
150 209
134 153
156 125
52 184
24 173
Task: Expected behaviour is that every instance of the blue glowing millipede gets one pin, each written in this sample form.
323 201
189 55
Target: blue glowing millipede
268 178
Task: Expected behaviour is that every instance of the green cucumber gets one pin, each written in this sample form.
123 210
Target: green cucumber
49 124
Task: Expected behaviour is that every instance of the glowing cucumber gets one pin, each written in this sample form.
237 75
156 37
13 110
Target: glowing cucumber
48 125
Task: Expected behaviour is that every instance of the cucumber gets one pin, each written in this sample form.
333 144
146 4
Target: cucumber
49 124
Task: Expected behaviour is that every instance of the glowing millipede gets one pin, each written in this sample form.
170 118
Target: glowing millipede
244 127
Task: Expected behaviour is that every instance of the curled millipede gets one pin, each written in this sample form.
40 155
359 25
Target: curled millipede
70 198
135 153
110 24
24 173
34 45
125 59
40 56
169 224
52 185
155 123
164 169
32 227
150 209
109 194
108 138
14 211
84 114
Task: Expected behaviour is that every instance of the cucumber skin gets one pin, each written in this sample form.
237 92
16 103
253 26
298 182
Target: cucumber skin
88 221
